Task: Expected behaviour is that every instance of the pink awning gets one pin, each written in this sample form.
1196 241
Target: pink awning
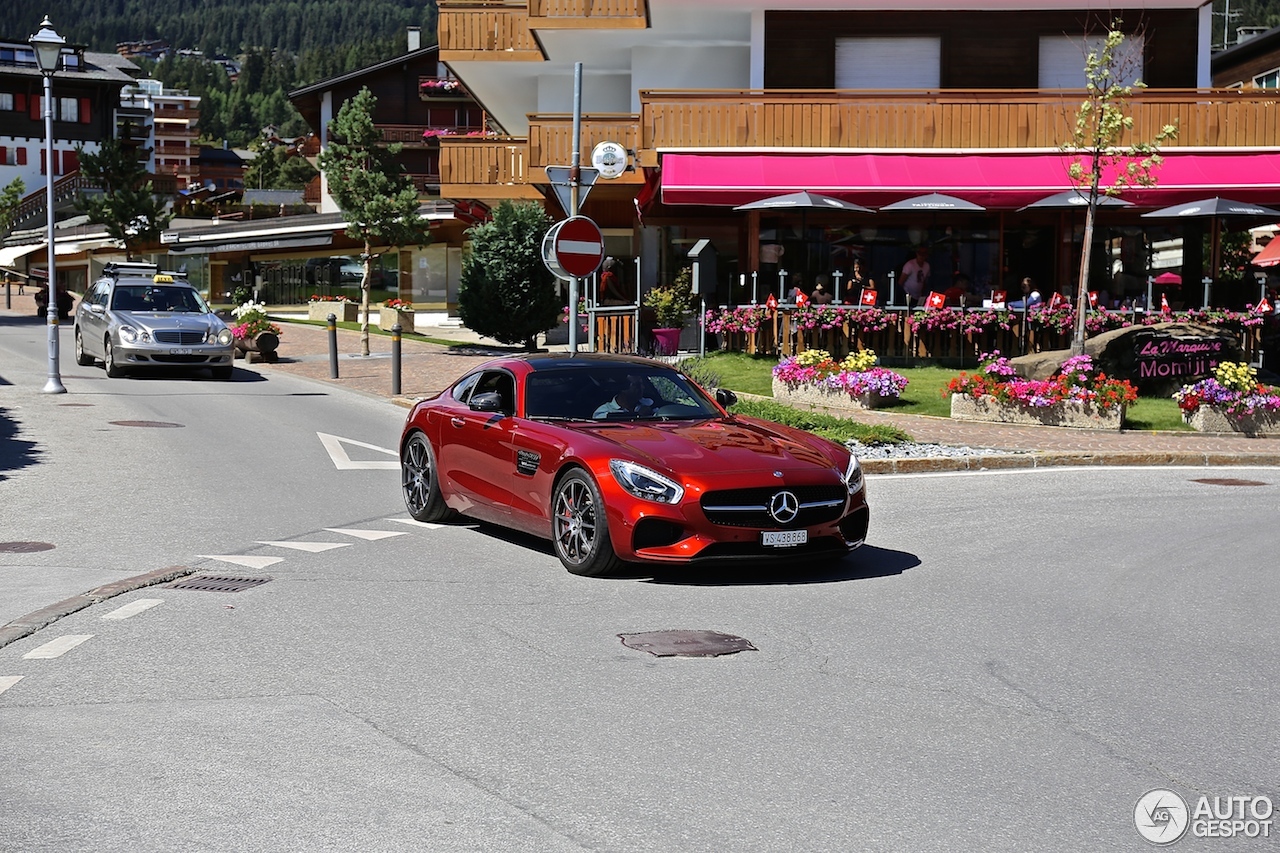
994 179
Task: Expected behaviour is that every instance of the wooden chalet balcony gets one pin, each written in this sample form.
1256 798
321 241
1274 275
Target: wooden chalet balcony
938 119
488 30
551 141
484 167
177 112
588 14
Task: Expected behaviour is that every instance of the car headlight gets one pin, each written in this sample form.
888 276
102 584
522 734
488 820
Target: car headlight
222 337
853 476
645 483
131 335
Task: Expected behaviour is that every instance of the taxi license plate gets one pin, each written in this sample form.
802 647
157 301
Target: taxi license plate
180 351
784 538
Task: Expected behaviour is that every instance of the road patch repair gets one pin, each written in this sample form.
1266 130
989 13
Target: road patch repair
690 644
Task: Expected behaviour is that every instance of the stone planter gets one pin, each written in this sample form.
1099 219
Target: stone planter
829 397
346 312
1065 414
1215 419
388 317
262 347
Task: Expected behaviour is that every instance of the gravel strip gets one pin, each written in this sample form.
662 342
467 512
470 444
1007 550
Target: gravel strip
914 450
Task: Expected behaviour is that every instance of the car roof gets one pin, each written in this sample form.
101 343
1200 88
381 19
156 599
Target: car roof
539 362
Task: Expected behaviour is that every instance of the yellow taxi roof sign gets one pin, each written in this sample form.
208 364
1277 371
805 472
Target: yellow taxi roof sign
162 278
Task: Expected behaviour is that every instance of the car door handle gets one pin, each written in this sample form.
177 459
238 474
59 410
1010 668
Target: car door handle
458 422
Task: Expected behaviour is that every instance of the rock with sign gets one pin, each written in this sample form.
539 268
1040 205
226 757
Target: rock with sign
1157 359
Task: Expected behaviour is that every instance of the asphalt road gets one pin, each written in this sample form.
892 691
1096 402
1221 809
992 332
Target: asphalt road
1013 660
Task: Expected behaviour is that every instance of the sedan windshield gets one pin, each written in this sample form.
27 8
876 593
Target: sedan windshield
157 298
623 392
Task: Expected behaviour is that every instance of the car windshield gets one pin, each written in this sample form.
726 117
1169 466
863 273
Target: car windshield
152 297
624 392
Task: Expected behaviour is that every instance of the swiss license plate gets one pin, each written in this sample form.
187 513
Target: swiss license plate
180 351
784 538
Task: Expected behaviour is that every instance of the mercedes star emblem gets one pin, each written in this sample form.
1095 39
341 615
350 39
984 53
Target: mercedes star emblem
784 507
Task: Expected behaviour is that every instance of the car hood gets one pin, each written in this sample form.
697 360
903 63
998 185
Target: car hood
170 319
713 446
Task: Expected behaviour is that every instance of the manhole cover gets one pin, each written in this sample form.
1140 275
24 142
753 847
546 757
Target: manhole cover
692 644
216 583
152 424
24 547
76 405
1228 481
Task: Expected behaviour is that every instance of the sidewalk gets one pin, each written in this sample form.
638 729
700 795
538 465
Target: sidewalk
428 368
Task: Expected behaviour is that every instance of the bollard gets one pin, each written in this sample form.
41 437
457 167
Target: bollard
395 360
333 345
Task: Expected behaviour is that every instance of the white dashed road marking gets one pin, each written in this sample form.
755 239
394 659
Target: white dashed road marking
416 523
134 608
247 560
371 535
311 547
56 648
334 445
7 681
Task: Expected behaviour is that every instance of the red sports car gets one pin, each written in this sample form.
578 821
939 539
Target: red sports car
620 459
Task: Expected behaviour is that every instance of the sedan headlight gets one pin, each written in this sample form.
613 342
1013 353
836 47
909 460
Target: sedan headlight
853 476
131 335
645 483
222 337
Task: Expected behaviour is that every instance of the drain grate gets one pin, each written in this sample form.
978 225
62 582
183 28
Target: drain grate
24 547
1228 481
217 583
152 424
691 644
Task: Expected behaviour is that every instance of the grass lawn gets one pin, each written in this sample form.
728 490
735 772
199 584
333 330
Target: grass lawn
925 394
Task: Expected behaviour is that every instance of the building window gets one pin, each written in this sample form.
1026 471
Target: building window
6 100
1062 60
1269 80
68 109
910 62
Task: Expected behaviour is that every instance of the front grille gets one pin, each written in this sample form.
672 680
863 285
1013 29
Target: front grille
656 533
750 507
180 359
181 337
827 546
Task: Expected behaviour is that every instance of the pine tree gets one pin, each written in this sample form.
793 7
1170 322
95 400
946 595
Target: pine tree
377 198
127 206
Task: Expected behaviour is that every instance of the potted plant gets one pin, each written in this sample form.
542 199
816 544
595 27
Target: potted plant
670 304
254 332
1079 396
395 311
1232 400
814 377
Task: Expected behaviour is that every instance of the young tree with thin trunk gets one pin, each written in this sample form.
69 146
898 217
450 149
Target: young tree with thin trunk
378 200
10 199
1102 164
128 206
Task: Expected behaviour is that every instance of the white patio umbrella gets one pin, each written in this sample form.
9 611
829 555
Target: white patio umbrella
1215 209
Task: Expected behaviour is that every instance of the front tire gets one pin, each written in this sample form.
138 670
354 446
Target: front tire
580 532
82 358
420 482
109 359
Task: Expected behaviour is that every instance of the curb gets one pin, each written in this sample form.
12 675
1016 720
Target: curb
32 622
1064 459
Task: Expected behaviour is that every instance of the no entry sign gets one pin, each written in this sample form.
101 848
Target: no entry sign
574 247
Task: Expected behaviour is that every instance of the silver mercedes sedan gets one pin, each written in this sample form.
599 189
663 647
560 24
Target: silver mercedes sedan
137 317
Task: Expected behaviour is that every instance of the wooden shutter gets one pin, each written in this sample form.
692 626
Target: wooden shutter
70 162
22 156
35 108
84 110
20 102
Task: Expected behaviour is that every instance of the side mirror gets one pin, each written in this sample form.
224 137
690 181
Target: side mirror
725 397
96 308
489 401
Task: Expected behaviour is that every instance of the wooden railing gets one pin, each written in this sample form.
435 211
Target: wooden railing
486 30
484 167
549 14
551 136
940 119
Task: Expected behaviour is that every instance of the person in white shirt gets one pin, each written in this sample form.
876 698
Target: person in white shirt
629 399
915 275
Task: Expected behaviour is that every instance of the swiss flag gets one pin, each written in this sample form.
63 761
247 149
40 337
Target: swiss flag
802 299
1056 300
772 302
1093 299
998 299
1164 303
936 300
1264 307
868 296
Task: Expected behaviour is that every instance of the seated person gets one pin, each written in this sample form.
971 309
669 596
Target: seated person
959 292
629 399
820 294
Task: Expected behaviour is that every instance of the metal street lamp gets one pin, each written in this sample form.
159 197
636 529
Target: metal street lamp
48 47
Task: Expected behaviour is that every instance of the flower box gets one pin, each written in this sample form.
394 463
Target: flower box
1260 424
832 398
346 312
388 317
1065 413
